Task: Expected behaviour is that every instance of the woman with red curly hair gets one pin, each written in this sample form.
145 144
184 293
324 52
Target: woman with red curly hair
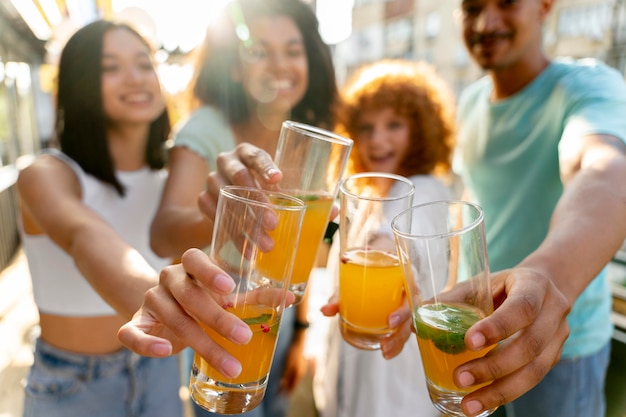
400 115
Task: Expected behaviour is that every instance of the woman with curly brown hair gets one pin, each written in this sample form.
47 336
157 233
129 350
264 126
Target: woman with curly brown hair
400 115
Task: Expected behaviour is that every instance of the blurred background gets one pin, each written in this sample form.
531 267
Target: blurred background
33 32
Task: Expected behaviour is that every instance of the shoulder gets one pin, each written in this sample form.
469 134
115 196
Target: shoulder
429 188
206 132
476 91
587 76
50 163
50 171
201 118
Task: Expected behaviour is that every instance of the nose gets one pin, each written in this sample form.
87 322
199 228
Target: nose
488 19
134 74
378 136
278 60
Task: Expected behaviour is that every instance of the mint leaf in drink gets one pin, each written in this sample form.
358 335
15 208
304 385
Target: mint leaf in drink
257 320
446 325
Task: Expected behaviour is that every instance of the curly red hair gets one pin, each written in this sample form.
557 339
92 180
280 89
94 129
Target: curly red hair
414 91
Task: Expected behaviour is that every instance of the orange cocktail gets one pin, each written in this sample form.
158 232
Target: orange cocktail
256 356
441 332
370 288
313 228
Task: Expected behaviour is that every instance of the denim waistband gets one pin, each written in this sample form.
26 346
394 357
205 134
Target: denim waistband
86 367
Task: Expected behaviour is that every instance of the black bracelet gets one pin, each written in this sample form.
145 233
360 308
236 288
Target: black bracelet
300 325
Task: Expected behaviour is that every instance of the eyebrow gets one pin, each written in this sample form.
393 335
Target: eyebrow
106 55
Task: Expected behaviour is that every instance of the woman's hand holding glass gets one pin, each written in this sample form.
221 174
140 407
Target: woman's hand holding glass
167 321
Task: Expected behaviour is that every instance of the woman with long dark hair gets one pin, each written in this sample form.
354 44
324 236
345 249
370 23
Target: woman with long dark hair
86 212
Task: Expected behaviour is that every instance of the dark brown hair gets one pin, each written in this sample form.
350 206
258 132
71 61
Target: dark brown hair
219 58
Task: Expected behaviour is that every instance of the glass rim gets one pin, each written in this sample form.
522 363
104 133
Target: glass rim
478 220
373 174
318 132
298 204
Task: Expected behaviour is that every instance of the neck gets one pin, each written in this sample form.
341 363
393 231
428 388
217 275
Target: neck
260 132
510 80
127 145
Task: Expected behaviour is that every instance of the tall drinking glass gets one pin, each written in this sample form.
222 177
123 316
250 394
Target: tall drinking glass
244 220
312 161
443 251
370 275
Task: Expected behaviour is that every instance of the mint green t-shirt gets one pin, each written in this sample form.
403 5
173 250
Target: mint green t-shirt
508 158
207 133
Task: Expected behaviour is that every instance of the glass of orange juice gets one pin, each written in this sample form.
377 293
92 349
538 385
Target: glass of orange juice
312 161
442 248
371 279
250 223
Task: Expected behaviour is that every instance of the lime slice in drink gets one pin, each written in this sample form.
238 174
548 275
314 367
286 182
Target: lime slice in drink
446 324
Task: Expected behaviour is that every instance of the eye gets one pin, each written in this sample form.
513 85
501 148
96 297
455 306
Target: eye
395 125
146 65
254 52
364 130
469 9
295 52
109 68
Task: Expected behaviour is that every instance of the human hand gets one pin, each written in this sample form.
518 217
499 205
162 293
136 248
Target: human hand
399 321
529 324
187 293
246 165
296 364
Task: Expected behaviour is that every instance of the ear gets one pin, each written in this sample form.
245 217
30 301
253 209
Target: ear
546 6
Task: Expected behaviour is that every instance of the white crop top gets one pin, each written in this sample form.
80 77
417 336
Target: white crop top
58 286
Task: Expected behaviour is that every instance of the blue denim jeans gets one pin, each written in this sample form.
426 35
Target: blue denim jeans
121 384
274 403
573 388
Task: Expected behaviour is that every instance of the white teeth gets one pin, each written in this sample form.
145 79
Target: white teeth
136 97
281 84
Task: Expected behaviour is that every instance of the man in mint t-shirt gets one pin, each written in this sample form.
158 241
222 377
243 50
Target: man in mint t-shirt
541 149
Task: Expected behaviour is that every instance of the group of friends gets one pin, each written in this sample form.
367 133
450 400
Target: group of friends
114 225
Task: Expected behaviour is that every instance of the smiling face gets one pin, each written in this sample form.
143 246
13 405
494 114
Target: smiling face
382 140
274 67
502 33
131 92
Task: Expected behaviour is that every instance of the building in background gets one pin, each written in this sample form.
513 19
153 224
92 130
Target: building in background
430 30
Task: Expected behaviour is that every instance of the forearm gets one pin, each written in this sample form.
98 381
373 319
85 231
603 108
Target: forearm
176 229
118 272
587 228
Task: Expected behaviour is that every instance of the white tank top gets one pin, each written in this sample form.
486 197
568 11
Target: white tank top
58 286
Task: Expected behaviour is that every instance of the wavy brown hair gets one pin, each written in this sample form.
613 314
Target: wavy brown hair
414 91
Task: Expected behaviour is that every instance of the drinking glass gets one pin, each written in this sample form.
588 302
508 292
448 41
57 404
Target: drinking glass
443 251
370 276
244 220
312 161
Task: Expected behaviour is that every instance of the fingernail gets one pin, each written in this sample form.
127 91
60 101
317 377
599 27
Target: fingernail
477 341
387 347
161 349
466 379
231 367
224 283
473 407
271 172
394 320
241 334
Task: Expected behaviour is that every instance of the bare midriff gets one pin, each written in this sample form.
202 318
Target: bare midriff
86 335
